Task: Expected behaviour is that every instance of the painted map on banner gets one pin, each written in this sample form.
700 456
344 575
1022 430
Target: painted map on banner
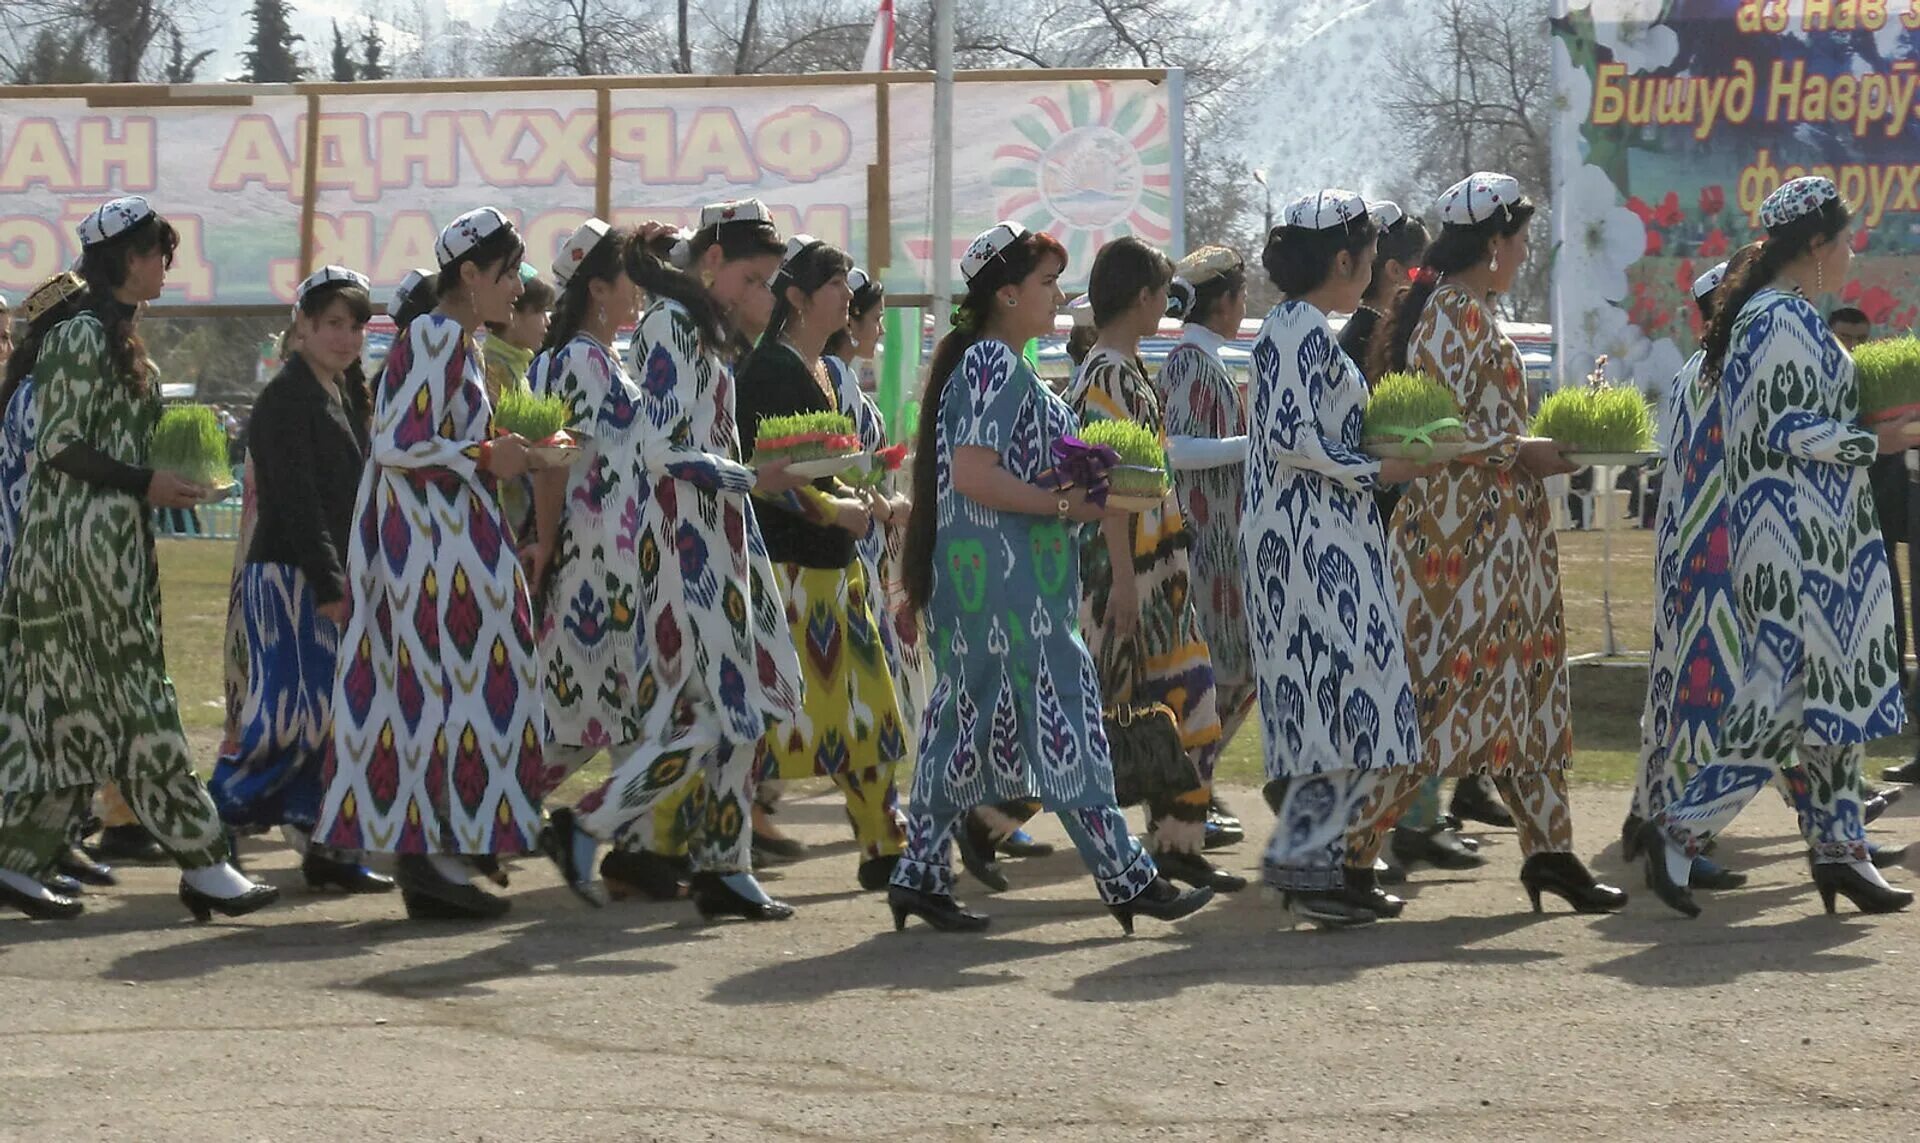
1085 159
1679 117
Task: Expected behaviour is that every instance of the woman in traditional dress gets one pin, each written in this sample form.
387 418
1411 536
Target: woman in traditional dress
436 703
1137 610
309 447
1206 424
716 665
1336 704
511 344
1818 675
1474 560
993 562
51 303
86 695
848 729
1689 669
1422 833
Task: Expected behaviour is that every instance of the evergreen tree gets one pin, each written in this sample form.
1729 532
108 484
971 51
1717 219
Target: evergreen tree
343 67
273 57
182 68
56 57
371 46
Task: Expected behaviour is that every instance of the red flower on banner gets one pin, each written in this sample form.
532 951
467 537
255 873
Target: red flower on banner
1639 206
1850 293
1905 318
1713 200
1669 213
1860 240
1878 304
1684 276
1714 245
1655 243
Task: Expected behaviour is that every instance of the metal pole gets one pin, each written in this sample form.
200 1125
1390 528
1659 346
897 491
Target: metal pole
940 269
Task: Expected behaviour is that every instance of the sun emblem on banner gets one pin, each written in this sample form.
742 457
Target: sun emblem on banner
1097 168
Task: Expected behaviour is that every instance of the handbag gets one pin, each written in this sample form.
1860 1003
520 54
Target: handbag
1149 763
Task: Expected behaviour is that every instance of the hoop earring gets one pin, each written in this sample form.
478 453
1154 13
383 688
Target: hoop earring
1013 301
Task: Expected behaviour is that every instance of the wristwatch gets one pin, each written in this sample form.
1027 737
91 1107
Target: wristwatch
1065 507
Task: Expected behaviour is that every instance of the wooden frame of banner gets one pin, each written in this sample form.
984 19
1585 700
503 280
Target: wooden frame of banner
879 182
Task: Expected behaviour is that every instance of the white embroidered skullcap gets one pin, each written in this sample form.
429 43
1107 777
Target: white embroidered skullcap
797 245
1325 210
1797 199
1710 281
413 281
574 251
988 246
745 210
327 275
468 231
1478 197
858 279
112 219
1385 214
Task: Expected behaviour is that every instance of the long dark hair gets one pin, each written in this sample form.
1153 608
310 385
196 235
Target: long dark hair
1404 242
1782 246
1299 259
103 266
502 250
813 267
651 265
26 345
605 262
355 394
870 294
1196 305
1011 267
1458 248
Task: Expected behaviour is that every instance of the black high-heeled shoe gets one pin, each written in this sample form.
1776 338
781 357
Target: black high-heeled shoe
1362 888
1198 872
52 907
1653 844
1327 910
1843 880
1886 856
352 877
130 843
714 898
771 850
204 905
1566 877
642 872
488 866
1873 807
1710 876
1630 837
1162 900
60 885
937 909
1020 844
876 873
84 869
1440 848
974 839
429 896
1474 799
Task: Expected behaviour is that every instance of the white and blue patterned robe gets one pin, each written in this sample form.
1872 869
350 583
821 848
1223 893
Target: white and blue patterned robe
1813 594
1327 645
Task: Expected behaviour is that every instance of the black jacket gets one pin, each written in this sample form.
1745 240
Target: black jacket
774 382
308 454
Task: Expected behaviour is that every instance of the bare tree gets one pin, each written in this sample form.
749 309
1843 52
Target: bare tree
118 35
576 37
1479 99
181 67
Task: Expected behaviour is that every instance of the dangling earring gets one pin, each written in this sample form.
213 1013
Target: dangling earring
1494 265
603 313
1819 279
706 279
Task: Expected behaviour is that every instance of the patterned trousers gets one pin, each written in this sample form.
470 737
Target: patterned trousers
1315 816
1120 867
647 773
169 801
1542 812
1824 787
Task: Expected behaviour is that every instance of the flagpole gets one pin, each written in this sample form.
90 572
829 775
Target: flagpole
941 266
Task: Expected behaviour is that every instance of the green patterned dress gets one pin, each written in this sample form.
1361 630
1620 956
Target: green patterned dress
86 696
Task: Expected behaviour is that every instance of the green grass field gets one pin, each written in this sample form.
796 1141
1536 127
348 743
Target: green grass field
1606 698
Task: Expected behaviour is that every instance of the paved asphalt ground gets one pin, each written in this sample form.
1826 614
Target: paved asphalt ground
335 1019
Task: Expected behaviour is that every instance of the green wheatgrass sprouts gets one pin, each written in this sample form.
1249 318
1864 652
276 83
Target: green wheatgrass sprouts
806 436
190 443
1888 373
1143 462
1611 418
1402 403
534 416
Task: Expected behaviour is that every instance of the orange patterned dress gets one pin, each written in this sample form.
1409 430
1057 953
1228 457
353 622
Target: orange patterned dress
1478 570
